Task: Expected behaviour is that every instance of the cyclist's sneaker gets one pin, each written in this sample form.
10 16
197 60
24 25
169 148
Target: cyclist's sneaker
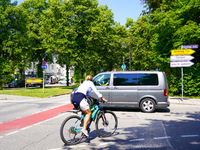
85 132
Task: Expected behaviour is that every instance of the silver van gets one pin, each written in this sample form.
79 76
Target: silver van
144 89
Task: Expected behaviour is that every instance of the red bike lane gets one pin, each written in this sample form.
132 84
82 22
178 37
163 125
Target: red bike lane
33 119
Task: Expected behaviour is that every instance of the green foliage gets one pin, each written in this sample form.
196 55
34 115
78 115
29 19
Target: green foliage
82 34
175 23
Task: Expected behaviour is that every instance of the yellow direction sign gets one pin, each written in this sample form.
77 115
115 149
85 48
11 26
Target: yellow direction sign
34 80
182 52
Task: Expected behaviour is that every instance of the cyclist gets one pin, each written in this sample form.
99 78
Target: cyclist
79 99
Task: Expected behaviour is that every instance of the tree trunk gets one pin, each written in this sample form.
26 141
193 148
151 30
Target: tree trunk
67 75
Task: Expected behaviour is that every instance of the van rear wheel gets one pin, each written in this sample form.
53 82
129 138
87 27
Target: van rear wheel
148 105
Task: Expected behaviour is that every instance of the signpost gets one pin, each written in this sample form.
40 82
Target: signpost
181 64
34 80
181 58
189 46
29 80
44 63
123 67
182 52
44 66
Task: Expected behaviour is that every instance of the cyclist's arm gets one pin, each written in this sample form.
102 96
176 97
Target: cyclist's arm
96 91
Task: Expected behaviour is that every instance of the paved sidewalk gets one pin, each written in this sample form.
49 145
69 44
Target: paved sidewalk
14 97
29 99
189 101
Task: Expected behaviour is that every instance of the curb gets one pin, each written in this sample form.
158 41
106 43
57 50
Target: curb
186 101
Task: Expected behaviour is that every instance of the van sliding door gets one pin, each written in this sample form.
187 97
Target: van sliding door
124 89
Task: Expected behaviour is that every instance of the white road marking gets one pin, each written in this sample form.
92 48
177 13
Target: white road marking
164 137
12 132
55 149
108 143
136 140
183 136
77 146
25 128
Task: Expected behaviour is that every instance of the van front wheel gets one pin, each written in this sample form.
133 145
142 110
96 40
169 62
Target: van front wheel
148 105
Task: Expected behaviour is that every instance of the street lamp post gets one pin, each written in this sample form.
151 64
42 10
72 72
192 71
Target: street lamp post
129 54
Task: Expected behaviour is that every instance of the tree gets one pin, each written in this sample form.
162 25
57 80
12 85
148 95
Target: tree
176 23
12 37
143 56
34 49
80 33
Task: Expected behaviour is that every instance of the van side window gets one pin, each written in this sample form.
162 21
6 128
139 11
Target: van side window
148 79
102 80
128 79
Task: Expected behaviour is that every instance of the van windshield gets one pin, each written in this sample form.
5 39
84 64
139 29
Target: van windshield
102 80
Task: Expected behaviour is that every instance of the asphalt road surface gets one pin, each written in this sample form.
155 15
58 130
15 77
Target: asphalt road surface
36 123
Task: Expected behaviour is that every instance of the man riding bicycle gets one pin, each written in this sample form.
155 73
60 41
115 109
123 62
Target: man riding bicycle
79 99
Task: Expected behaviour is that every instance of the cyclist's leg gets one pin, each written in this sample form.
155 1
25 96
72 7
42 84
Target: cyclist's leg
84 106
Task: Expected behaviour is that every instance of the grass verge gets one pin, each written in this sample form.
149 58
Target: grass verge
38 92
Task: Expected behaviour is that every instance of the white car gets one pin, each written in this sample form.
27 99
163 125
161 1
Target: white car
64 81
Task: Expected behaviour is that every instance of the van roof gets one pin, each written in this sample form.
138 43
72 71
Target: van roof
131 72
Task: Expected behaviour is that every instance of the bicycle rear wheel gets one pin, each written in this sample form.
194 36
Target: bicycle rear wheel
70 130
106 123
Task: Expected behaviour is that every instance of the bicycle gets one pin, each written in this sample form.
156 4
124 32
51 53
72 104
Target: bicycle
106 124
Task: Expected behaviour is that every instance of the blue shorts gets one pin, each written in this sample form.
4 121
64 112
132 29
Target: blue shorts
80 100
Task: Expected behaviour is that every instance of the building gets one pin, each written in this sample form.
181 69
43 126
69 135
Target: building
53 72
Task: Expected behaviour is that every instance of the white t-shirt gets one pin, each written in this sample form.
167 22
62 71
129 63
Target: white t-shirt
86 87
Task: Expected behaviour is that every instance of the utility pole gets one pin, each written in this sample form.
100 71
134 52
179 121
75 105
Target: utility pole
129 54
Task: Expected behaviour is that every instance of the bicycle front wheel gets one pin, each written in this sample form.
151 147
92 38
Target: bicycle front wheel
106 123
70 130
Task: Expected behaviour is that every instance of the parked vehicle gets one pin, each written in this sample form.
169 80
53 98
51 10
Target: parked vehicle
53 81
63 81
47 81
144 89
18 83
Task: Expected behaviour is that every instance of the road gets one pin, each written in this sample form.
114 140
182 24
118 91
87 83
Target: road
173 128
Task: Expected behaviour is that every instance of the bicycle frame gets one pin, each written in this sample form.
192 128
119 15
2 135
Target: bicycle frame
71 127
94 111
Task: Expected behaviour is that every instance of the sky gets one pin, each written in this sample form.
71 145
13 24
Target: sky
121 9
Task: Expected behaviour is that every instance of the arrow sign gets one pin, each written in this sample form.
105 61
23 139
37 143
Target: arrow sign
189 46
181 64
34 80
182 52
182 58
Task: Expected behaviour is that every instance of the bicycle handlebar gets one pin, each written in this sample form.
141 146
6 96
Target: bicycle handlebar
98 101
